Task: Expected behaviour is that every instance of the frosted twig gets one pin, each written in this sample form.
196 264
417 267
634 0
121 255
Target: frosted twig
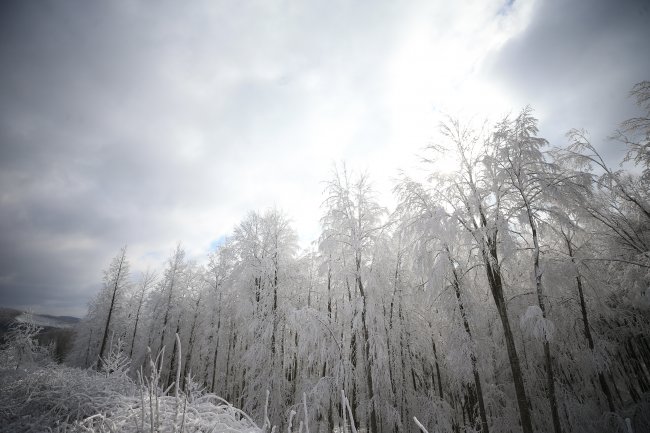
419 424
345 421
267 422
291 415
304 405
178 378
347 405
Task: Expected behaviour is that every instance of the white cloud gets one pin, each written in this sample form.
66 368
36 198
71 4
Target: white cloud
129 124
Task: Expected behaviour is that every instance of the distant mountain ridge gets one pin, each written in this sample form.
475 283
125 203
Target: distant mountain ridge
10 315
57 330
48 321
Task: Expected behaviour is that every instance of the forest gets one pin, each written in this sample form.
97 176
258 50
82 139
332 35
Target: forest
507 291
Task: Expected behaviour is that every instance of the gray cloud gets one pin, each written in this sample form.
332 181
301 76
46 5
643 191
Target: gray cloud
121 122
118 120
576 63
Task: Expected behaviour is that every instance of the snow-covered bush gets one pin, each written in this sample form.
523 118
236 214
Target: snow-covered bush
67 399
55 394
148 407
116 362
70 399
21 348
208 413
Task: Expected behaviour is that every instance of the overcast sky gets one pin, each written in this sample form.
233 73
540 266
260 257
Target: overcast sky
149 123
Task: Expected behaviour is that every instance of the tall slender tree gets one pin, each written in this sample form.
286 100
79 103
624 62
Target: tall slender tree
116 279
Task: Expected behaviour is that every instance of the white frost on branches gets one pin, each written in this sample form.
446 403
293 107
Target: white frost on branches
534 323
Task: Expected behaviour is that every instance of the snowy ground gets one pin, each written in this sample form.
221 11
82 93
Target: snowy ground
65 399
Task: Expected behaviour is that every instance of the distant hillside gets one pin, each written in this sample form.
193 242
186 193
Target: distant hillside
57 329
7 317
48 321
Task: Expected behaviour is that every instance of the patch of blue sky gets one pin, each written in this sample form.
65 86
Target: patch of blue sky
217 242
506 7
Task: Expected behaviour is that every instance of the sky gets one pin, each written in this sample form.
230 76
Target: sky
153 123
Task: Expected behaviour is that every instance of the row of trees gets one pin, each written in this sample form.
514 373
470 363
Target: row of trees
508 294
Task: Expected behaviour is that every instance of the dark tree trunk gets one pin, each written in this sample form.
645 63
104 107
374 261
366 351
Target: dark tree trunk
366 344
548 362
112 306
587 327
490 259
456 283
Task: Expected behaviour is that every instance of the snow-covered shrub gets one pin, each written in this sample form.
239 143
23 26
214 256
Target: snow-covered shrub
49 394
166 413
56 394
21 348
59 398
150 408
193 388
116 362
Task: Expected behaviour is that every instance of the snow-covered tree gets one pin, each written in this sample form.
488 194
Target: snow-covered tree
351 226
509 293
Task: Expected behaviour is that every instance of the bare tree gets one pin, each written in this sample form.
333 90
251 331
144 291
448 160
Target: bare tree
115 281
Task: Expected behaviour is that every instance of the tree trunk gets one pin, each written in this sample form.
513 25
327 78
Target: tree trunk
173 361
587 328
366 344
477 379
490 259
550 379
112 306
435 357
190 344
135 326
216 352
486 238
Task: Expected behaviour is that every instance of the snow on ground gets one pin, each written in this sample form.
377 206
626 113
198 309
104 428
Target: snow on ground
60 398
